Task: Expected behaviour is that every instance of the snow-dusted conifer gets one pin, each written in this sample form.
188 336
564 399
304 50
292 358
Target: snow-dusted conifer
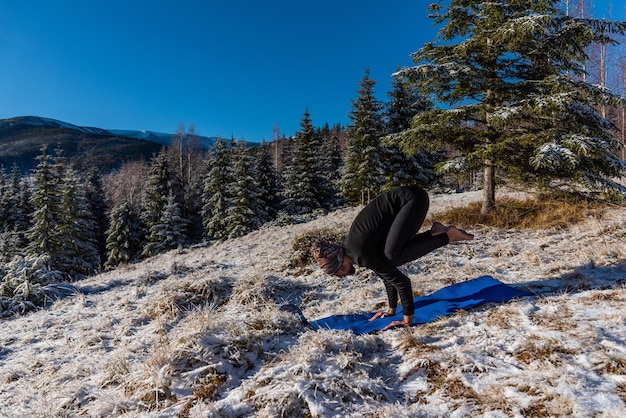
78 256
44 235
302 192
94 192
125 236
4 199
418 166
17 223
7 241
330 162
509 76
285 161
186 159
21 209
244 213
363 174
267 179
216 191
156 191
169 232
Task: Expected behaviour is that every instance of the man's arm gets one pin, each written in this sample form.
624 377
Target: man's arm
396 284
401 286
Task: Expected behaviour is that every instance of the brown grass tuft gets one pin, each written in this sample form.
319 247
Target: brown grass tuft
207 387
541 212
543 350
613 365
621 390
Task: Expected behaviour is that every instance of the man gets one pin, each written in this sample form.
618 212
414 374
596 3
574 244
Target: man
384 236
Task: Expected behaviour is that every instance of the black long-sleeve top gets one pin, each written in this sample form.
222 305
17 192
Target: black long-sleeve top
365 244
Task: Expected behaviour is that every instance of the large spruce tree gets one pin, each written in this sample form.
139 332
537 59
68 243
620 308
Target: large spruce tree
62 226
510 80
400 168
94 192
78 256
363 175
169 232
44 235
303 191
216 191
157 189
330 159
245 211
125 236
267 179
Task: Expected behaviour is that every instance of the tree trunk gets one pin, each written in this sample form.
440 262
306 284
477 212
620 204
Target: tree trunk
489 188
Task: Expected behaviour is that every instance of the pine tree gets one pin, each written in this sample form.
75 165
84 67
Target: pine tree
23 221
16 222
19 216
44 235
158 188
6 242
4 199
363 174
510 78
186 157
216 191
244 213
303 192
169 232
330 163
125 236
78 256
285 160
418 167
94 192
267 180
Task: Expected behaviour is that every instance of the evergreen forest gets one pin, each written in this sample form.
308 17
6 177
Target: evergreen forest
508 92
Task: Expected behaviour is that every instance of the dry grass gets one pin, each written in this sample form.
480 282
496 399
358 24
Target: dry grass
538 349
541 212
558 319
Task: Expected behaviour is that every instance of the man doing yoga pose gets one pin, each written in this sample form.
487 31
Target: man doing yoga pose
383 236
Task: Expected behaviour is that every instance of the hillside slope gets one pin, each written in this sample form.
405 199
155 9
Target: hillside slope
198 333
21 139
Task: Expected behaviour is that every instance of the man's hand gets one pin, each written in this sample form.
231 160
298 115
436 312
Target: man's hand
407 322
390 312
395 324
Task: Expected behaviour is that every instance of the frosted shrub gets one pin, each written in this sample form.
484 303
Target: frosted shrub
28 282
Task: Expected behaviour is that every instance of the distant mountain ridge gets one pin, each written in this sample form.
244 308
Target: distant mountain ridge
21 139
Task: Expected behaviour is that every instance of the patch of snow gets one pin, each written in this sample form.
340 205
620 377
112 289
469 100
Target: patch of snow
198 333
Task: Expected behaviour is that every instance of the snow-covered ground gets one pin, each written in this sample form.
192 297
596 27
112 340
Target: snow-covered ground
198 333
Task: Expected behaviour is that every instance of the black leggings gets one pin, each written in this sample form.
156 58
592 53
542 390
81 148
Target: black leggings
403 243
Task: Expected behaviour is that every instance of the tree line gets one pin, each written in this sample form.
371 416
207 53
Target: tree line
85 222
503 91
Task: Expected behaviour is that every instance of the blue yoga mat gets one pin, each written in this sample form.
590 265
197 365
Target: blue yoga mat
464 295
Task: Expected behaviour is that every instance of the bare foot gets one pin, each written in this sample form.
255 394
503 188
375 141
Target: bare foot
455 234
438 228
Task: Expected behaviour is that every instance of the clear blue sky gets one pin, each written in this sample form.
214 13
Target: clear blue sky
230 68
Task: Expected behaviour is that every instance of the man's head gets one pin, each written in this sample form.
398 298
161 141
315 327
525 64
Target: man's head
347 267
331 259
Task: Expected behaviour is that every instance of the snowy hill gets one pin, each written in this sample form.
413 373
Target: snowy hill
198 333
159 137
36 121
42 122
21 139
